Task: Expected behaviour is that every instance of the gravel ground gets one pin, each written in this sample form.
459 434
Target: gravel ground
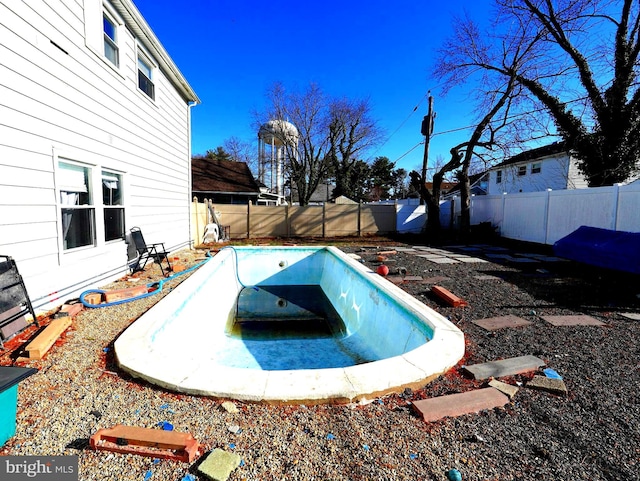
591 434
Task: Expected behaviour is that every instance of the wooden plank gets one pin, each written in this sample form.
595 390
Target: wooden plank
146 442
448 296
43 342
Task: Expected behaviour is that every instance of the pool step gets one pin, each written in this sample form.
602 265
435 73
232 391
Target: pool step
146 442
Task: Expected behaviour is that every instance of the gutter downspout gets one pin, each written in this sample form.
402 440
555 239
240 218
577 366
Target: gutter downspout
190 105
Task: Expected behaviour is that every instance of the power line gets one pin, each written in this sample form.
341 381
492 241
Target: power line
409 151
509 117
415 109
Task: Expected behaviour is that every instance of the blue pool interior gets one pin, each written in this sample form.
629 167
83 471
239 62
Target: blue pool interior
376 325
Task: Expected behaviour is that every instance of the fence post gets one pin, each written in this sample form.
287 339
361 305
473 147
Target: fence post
249 219
359 219
547 210
324 219
195 225
286 215
616 200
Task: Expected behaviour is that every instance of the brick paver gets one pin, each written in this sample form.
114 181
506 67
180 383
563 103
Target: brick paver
461 403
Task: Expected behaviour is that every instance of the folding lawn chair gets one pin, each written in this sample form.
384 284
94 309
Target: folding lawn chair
15 305
146 251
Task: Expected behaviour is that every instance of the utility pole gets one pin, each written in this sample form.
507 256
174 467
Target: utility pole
427 130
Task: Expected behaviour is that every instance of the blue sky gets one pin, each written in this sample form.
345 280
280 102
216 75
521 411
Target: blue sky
232 51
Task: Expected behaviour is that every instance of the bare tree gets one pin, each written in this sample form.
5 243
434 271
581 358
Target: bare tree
579 60
241 151
352 131
333 135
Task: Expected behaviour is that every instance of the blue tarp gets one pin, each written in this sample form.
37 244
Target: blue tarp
605 248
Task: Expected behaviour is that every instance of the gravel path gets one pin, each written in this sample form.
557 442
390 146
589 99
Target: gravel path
591 434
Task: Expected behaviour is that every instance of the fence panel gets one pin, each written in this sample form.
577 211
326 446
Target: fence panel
570 209
525 217
628 212
341 219
268 221
305 221
377 219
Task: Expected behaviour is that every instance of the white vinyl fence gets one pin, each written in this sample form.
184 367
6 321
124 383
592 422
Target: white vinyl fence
545 217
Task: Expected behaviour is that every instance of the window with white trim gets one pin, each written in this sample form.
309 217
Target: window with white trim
76 204
111 51
499 177
82 208
145 75
113 202
536 167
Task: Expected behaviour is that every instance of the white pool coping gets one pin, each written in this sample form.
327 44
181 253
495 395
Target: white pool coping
196 375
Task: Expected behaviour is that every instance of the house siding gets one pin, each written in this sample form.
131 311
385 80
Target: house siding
557 172
61 99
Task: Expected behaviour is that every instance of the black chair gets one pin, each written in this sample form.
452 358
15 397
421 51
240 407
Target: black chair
146 251
15 305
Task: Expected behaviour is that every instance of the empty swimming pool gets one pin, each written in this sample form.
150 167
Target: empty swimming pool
288 324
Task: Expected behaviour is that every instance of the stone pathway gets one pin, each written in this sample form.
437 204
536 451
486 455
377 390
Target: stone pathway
477 253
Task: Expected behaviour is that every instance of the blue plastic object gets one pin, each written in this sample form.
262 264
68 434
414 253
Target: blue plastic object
9 378
604 248
454 475
551 374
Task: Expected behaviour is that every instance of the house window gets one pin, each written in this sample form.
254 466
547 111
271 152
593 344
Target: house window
76 204
112 200
536 167
110 40
522 170
145 76
499 177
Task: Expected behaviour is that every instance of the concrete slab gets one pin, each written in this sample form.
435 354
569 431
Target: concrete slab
467 248
413 278
505 367
395 279
634 316
579 320
435 279
469 260
498 256
508 389
487 277
219 464
524 260
501 322
432 256
555 386
443 260
459 404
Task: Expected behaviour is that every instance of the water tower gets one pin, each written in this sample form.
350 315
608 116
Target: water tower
277 145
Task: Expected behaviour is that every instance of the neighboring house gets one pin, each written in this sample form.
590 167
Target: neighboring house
94 139
478 185
548 167
223 181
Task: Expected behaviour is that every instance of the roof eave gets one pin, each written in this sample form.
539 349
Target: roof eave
145 35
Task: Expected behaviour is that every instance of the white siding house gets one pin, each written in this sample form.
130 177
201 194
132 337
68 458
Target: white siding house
94 139
549 167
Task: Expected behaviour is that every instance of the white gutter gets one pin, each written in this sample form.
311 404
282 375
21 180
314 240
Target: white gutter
138 25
